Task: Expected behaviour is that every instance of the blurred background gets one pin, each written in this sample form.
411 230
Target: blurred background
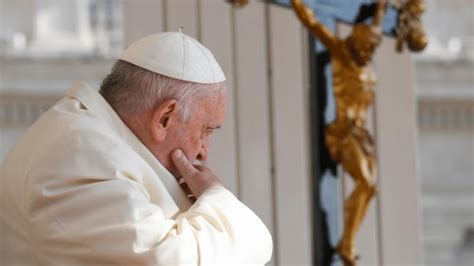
45 45
444 84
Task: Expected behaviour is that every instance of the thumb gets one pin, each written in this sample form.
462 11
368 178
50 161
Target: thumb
185 168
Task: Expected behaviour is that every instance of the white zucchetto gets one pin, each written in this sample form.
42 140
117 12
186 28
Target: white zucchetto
175 55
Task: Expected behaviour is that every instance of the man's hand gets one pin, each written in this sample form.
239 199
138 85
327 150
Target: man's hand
197 177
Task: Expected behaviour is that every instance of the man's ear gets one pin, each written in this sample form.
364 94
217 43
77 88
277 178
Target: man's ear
163 115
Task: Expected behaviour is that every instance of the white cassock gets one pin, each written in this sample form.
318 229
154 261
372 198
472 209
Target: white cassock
81 189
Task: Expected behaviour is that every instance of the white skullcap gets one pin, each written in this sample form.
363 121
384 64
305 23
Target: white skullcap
175 55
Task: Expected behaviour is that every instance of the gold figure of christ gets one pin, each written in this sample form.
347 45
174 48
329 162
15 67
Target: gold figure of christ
347 139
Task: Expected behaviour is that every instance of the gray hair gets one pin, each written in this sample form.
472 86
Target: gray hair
130 90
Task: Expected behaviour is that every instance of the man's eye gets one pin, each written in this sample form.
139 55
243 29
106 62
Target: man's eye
210 130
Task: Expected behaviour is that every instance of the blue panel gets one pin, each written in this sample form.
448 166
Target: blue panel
349 11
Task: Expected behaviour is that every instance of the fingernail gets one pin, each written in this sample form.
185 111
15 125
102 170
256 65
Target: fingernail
178 154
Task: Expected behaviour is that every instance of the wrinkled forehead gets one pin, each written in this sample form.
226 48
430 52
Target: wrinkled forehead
212 93
212 105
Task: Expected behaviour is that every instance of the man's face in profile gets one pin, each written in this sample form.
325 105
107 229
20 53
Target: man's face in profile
193 136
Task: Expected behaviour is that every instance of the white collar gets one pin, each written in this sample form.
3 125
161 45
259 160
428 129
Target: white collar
92 100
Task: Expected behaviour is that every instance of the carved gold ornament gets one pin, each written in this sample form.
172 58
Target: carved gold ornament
410 28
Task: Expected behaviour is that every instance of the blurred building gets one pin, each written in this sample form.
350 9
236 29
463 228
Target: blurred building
445 96
47 44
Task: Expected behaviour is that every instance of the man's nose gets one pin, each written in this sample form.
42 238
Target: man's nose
203 152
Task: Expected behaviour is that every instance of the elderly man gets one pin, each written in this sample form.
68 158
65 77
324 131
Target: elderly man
108 177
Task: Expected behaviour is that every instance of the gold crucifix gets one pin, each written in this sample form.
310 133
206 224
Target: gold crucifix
347 139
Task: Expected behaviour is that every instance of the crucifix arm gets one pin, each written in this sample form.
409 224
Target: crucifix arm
319 30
